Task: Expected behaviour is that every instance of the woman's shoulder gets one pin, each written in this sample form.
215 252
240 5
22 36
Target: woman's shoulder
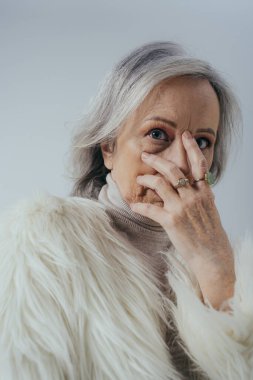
64 273
54 255
44 212
46 204
54 230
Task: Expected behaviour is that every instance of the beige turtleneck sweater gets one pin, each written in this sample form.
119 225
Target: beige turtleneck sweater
143 233
151 240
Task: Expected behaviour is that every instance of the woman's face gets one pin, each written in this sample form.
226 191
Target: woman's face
176 105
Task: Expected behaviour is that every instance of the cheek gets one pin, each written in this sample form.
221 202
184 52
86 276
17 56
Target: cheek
128 161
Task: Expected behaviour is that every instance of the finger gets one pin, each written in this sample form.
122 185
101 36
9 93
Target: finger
150 211
197 160
157 183
168 169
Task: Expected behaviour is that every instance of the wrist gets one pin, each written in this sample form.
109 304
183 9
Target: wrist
216 280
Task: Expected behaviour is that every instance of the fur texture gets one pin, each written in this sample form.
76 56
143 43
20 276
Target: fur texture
77 303
220 342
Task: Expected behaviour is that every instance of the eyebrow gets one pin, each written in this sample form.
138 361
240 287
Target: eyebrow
174 125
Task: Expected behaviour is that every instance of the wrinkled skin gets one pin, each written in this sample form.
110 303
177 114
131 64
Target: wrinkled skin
177 125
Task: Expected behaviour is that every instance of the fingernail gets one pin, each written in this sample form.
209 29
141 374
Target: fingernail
187 135
144 155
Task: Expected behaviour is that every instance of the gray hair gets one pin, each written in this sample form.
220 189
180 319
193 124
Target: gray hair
123 91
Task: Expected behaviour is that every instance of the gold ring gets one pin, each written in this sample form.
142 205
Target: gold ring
208 177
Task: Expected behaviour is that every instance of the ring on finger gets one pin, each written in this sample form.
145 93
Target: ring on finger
181 182
208 177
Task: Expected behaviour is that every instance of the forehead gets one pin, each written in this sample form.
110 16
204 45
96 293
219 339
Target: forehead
183 99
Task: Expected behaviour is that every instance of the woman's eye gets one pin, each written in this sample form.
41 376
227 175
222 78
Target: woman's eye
158 134
203 142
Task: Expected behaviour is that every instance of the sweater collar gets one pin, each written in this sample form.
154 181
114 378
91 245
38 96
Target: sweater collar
144 233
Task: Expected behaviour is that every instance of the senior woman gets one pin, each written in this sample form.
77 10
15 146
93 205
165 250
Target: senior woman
133 276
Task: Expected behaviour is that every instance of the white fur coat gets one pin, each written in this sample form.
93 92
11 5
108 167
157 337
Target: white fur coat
76 303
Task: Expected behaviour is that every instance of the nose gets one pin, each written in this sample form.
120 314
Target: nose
176 153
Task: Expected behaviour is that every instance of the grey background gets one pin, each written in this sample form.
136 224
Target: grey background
54 54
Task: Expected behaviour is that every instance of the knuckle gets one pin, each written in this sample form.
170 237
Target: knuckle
174 220
199 197
201 185
148 206
210 196
209 193
177 215
190 202
194 200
